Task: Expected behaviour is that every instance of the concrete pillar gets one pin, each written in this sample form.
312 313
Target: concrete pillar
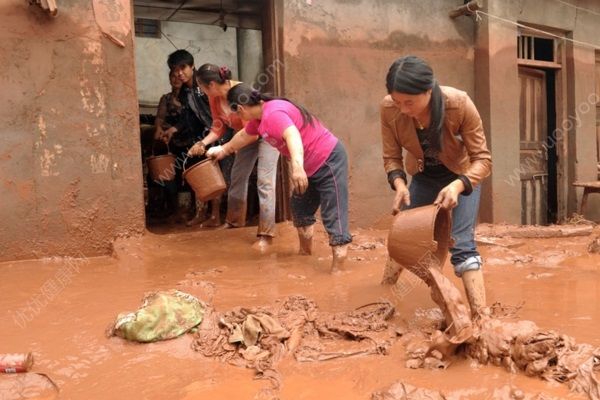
497 98
250 55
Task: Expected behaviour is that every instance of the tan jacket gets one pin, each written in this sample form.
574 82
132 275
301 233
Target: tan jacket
463 147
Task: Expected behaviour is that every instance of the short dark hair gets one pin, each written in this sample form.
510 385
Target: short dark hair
180 57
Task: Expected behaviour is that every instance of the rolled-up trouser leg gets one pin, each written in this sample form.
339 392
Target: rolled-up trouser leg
331 182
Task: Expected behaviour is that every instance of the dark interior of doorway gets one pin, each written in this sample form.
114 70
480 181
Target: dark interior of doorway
551 147
252 14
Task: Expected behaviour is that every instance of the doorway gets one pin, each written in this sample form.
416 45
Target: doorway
542 148
245 36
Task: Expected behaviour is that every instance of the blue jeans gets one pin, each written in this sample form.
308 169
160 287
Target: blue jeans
423 191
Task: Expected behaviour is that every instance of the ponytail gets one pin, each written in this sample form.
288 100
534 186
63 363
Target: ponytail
208 73
243 94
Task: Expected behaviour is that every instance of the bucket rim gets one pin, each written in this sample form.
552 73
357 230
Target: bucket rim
168 155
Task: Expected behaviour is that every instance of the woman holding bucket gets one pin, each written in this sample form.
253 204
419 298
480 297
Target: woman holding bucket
446 154
319 165
216 82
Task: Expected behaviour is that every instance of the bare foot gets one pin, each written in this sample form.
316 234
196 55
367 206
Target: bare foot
305 236
263 244
197 220
212 222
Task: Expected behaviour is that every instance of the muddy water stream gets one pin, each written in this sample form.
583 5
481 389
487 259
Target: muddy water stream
59 309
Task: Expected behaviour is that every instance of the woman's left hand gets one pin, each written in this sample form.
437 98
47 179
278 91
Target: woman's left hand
448 196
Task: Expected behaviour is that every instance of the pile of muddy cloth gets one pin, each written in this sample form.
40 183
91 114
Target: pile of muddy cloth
403 391
517 346
260 337
523 346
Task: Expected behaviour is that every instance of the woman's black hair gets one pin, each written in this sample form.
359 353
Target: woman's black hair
245 95
208 73
412 75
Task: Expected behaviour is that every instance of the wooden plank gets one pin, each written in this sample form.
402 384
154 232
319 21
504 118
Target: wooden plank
590 184
466 9
531 232
538 64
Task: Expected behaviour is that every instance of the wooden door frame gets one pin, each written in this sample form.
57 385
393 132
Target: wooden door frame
562 76
540 75
272 38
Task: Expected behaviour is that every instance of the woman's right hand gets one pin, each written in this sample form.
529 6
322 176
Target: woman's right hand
216 153
402 196
299 179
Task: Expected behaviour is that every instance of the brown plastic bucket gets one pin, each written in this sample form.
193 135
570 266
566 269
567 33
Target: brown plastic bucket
419 236
161 168
206 179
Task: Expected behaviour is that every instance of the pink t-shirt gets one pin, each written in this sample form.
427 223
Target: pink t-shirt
278 115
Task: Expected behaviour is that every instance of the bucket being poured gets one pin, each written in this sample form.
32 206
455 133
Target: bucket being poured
419 236
206 179
419 240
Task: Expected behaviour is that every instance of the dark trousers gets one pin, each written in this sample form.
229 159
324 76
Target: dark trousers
327 188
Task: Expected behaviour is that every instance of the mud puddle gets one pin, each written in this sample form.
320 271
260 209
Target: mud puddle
59 309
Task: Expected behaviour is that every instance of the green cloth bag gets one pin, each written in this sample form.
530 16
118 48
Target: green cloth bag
163 315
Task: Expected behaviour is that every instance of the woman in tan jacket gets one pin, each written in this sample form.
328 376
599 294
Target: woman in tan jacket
446 155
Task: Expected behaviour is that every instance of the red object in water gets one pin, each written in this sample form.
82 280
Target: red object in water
14 363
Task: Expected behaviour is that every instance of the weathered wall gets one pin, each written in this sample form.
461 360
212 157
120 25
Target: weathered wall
208 44
336 57
497 96
69 149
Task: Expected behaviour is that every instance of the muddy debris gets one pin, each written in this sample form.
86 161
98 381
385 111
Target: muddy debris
594 246
258 338
404 391
518 346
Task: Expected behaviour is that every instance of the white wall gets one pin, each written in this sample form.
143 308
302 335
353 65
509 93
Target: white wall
206 43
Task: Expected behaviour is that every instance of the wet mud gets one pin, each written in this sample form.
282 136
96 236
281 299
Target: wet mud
59 309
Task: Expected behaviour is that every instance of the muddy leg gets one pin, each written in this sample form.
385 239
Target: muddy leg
475 290
200 214
305 237
215 216
339 257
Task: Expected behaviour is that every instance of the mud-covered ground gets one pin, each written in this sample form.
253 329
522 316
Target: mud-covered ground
59 309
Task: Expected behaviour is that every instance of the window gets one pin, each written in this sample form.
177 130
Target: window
149 28
535 48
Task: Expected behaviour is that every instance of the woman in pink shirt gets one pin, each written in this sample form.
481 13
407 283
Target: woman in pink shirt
216 82
319 164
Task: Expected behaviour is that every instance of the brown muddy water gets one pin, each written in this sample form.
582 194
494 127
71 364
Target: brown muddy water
59 309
